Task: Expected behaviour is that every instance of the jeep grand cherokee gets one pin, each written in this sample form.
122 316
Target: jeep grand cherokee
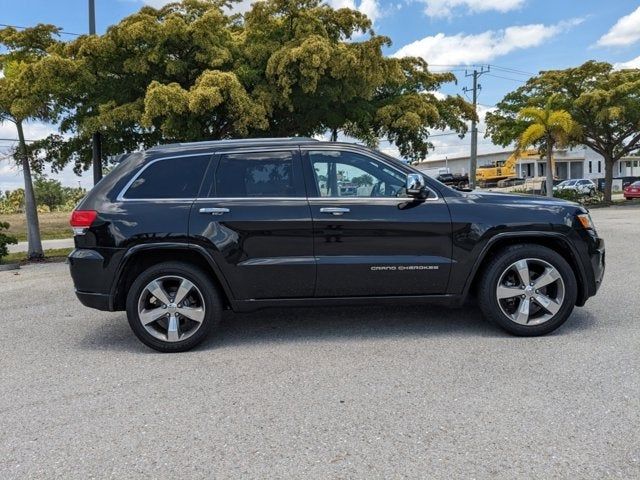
177 233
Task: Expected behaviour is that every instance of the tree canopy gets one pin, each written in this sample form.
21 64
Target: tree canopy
24 95
193 71
603 101
547 128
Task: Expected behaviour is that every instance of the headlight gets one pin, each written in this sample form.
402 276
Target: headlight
585 221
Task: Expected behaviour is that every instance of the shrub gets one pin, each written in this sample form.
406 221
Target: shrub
568 194
5 240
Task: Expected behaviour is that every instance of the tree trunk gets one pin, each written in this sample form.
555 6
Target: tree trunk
31 210
334 135
549 183
608 177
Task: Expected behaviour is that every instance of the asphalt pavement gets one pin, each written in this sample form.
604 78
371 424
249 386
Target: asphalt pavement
411 392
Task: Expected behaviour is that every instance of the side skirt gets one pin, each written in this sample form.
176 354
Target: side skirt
252 305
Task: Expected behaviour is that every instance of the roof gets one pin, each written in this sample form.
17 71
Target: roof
234 143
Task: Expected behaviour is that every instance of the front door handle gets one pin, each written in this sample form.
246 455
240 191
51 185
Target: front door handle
214 210
334 210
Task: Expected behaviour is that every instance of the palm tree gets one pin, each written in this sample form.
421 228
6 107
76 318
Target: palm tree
547 128
23 97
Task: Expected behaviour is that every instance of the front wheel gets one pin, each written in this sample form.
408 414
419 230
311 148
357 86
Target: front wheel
172 307
528 290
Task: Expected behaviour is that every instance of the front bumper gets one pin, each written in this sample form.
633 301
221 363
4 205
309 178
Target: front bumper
598 263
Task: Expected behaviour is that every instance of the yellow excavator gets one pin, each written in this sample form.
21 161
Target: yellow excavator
490 175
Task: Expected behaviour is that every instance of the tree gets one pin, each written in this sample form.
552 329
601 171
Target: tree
49 192
22 98
5 240
363 180
191 71
604 102
159 75
301 59
547 128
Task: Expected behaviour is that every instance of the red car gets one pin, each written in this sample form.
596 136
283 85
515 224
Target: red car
632 191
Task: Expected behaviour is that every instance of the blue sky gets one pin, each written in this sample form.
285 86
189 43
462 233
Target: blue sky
516 36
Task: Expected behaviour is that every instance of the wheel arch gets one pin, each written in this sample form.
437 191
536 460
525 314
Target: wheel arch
554 241
139 258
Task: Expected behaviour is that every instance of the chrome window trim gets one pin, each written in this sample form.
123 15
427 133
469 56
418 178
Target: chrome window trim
122 198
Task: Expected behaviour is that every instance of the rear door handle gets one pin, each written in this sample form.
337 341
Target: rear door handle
334 210
214 210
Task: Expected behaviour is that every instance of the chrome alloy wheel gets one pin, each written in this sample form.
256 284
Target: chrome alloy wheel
171 308
530 291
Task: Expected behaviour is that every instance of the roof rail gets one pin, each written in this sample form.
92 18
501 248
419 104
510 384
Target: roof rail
235 141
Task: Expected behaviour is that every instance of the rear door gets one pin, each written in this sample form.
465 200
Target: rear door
253 217
370 238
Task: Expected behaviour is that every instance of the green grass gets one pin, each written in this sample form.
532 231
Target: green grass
53 225
51 255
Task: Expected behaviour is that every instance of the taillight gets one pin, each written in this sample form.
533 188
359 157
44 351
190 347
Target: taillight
81 220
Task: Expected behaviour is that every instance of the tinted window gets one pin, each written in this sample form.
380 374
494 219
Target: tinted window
346 174
171 178
268 174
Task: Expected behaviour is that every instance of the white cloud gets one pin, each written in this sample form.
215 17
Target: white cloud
626 31
461 49
634 63
157 3
369 7
447 8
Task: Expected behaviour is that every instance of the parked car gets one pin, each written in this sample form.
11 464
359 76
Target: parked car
175 234
582 186
632 191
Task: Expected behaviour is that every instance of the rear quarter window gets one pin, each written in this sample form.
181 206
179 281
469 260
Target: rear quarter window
169 178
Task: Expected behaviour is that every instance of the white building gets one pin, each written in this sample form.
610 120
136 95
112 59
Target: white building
576 163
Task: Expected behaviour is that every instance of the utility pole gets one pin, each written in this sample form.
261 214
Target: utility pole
96 138
473 163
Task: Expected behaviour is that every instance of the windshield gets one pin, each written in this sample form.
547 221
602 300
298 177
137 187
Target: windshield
567 183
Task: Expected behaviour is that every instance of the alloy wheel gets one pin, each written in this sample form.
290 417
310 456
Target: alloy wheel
530 291
171 308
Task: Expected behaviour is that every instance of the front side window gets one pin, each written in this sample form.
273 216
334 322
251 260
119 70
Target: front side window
178 178
346 174
255 175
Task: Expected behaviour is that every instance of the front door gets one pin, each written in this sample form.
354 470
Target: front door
254 219
369 237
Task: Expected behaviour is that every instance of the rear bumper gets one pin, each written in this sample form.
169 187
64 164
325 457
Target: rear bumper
91 280
99 301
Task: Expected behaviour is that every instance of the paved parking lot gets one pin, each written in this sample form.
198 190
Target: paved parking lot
372 392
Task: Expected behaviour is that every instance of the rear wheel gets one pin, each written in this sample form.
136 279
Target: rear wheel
173 306
528 290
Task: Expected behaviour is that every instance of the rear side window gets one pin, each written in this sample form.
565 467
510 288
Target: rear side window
267 174
170 178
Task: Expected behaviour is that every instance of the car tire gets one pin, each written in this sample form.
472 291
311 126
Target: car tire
505 300
173 306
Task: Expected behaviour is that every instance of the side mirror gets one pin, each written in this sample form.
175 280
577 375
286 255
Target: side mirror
415 185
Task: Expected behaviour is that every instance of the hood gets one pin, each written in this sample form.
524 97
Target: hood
510 198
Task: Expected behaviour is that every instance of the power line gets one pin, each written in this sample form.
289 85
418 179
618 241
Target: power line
15 140
61 32
513 70
507 78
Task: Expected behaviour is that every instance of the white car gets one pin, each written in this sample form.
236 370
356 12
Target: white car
582 186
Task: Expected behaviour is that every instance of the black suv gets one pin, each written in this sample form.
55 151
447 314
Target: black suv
177 233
